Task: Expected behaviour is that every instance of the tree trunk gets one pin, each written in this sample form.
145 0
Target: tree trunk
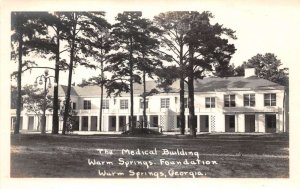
55 119
144 101
19 84
181 94
181 98
101 96
192 118
131 86
67 105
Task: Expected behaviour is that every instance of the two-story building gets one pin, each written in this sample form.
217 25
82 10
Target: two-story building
232 104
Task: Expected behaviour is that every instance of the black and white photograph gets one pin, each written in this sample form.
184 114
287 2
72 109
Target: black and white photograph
138 91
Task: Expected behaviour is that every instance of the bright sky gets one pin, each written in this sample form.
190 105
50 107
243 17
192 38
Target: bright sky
261 27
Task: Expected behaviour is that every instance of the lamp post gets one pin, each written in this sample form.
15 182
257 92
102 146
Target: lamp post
43 79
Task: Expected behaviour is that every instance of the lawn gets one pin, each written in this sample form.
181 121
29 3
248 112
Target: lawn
116 156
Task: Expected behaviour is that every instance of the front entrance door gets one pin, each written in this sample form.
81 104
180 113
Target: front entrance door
249 123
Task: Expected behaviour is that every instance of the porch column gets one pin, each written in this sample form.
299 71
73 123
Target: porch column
279 122
198 123
209 122
36 120
46 123
25 122
98 123
186 122
80 123
127 122
117 123
261 123
256 123
107 123
241 123
50 122
148 121
158 120
236 127
89 122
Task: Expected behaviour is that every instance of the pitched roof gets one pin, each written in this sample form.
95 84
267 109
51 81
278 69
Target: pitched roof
234 83
209 84
63 90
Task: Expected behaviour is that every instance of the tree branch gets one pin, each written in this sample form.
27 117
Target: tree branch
171 56
171 44
63 50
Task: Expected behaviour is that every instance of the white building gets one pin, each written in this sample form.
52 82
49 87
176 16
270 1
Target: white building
232 104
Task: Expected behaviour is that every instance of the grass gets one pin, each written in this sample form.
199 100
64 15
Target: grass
252 156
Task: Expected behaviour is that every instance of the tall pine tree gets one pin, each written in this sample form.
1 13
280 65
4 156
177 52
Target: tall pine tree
209 51
77 23
25 26
124 63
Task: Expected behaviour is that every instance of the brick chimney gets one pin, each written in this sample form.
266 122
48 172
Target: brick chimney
249 72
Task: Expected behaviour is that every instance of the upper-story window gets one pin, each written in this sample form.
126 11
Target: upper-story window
186 102
105 104
87 104
164 103
249 99
142 103
210 102
270 99
123 104
229 100
74 106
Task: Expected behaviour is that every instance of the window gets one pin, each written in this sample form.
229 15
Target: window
164 103
229 100
249 99
142 103
270 99
186 103
270 121
87 104
74 105
105 104
210 102
123 104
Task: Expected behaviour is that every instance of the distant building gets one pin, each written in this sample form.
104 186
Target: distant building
231 104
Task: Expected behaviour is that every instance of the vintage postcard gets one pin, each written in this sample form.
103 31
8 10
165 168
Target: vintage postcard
122 93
